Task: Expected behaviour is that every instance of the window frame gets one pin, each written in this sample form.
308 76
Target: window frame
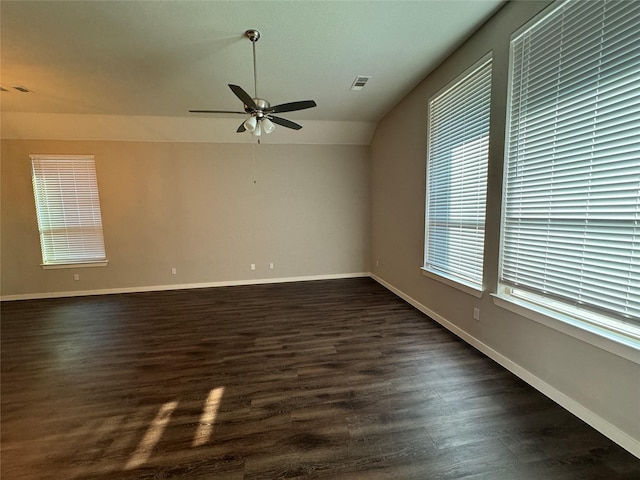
462 284
609 333
40 215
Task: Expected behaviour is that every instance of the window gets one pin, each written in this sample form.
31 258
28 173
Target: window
457 154
68 210
571 216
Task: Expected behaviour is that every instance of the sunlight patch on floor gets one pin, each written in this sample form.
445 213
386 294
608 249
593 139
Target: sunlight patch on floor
151 438
208 417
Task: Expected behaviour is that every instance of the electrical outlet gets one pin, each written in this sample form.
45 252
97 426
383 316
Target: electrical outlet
253 266
377 262
271 266
76 276
476 313
173 271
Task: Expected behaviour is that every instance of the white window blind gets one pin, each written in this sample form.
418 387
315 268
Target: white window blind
458 144
68 209
571 219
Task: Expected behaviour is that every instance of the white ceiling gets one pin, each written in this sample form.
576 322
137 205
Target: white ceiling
162 58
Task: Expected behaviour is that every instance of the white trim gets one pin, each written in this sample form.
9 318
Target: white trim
182 286
55 266
611 431
613 342
195 128
455 283
61 156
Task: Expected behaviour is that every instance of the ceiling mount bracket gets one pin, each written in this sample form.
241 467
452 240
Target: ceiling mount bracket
253 35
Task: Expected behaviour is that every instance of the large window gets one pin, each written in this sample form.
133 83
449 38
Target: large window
571 217
68 210
458 144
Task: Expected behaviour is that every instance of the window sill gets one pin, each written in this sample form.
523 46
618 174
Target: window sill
619 343
455 283
55 266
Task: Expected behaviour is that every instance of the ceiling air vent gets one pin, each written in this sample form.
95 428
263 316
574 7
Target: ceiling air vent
21 89
360 82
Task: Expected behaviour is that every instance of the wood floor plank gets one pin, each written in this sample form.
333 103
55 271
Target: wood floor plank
334 379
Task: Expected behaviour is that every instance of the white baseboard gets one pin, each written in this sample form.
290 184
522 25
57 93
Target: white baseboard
182 286
612 432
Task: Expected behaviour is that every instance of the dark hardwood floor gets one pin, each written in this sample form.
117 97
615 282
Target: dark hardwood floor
328 379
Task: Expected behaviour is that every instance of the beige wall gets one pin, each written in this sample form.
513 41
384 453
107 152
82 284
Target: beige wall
602 387
209 210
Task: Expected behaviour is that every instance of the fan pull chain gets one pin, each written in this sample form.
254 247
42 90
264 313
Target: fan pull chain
253 157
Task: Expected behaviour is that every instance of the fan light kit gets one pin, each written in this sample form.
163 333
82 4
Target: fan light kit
261 119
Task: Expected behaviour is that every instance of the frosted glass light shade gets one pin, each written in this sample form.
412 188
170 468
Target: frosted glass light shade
251 124
267 125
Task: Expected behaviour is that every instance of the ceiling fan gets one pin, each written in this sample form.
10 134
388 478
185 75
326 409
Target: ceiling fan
261 119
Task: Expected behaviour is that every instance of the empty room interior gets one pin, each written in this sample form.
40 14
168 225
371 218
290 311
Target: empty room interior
320 239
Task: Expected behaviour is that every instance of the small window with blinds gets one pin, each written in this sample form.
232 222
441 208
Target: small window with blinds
68 210
457 156
571 214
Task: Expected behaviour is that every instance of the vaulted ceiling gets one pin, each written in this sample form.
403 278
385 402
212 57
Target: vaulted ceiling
162 58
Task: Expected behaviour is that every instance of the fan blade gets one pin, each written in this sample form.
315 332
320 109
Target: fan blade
216 111
284 122
291 107
241 128
244 96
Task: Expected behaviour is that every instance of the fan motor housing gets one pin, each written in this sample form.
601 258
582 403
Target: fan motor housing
262 105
